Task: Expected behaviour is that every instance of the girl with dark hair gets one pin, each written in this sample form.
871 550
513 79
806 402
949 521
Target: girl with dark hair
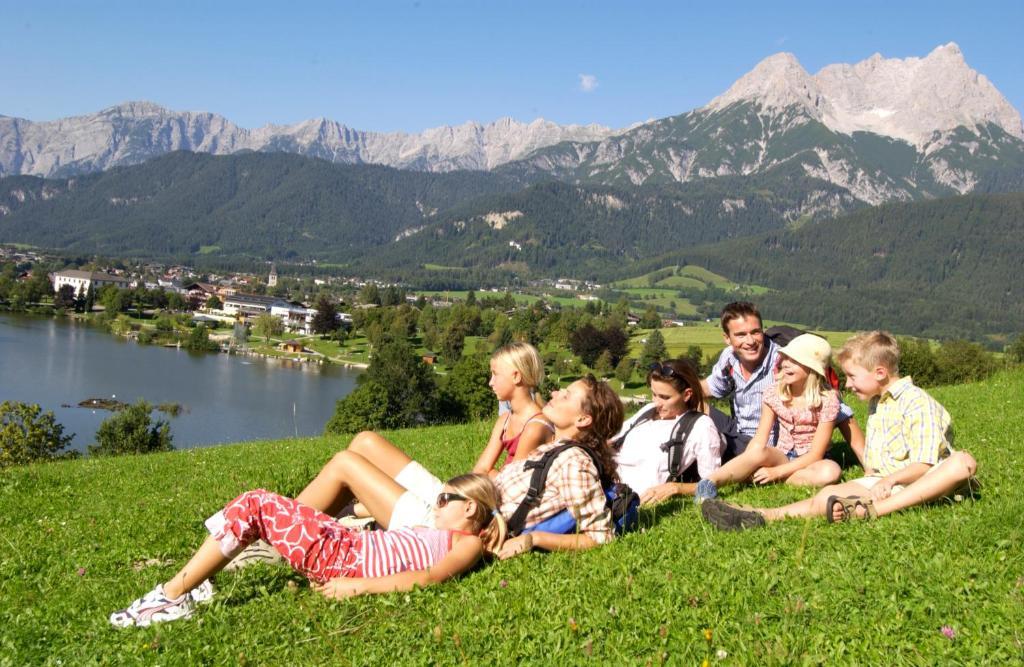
642 461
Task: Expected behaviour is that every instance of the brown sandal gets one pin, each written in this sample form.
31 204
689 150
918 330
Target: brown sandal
850 506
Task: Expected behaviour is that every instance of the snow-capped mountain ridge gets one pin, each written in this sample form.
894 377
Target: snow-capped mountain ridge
908 99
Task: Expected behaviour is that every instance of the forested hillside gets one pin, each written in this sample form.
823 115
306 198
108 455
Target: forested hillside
948 268
279 206
597 232
267 205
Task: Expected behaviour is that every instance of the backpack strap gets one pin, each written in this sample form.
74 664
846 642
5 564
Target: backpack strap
539 479
644 417
677 444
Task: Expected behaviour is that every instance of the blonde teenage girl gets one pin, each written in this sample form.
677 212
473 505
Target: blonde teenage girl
804 407
516 373
339 562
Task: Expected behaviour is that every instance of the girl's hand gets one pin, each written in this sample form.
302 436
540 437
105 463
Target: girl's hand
516 546
340 588
766 475
658 493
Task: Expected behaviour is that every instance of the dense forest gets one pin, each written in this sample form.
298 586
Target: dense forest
257 204
287 207
946 268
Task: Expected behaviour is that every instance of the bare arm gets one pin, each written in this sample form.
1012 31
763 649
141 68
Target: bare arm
746 464
819 445
661 492
905 476
463 555
534 435
854 436
485 463
546 541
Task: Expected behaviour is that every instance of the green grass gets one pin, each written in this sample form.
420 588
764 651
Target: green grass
208 249
77 537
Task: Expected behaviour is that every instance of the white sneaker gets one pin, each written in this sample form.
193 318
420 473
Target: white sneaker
202 593
153 607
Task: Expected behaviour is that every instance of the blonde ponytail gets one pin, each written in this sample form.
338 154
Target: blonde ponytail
493 529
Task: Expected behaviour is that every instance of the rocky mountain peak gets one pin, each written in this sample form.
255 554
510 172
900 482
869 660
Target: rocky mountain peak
908 99
778 81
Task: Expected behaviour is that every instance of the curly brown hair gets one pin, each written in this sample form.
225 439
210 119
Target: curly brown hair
605 409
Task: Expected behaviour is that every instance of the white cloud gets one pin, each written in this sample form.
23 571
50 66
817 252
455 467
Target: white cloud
588 83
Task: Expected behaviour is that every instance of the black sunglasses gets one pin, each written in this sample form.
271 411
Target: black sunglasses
444 498
665 370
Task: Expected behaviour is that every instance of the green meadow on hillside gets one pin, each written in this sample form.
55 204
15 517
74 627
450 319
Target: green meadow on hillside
82 538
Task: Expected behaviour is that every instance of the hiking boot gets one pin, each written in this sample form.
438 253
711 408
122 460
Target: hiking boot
706 490
202 593
257 552
724 516
153 607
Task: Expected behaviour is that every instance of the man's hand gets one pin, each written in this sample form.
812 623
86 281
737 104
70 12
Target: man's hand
658 493
516 546
340 588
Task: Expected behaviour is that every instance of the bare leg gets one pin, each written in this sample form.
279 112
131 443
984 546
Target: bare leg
380 452
946 478
813 506
349 475
206 562
743 466
819 473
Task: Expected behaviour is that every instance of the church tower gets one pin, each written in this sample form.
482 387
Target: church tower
272 278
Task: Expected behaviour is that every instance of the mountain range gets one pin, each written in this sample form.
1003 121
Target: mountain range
134 132
780 152
882 129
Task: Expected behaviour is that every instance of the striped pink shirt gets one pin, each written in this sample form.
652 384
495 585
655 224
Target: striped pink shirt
403 550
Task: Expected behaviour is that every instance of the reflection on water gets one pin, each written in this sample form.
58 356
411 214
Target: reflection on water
226 398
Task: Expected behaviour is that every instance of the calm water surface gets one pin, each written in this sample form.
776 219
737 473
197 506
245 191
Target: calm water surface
227 398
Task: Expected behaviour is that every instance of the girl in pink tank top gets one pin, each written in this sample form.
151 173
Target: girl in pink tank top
516 373
340 562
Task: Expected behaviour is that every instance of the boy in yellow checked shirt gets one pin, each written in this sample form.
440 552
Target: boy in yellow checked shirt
908 459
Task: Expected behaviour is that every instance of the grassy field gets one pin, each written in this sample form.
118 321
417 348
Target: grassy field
83 538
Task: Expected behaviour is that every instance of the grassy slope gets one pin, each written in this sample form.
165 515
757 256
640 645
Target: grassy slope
76 537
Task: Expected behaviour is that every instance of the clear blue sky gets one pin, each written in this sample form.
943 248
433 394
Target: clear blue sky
412 65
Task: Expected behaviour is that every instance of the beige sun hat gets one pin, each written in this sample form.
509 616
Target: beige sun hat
811 351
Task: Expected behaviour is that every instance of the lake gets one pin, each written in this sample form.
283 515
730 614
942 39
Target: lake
227 398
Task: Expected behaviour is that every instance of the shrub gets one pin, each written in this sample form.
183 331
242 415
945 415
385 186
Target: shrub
28 434
1015 352
132 431
365 409
199 340
959 361
654 350
465 395
405 392
918 361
